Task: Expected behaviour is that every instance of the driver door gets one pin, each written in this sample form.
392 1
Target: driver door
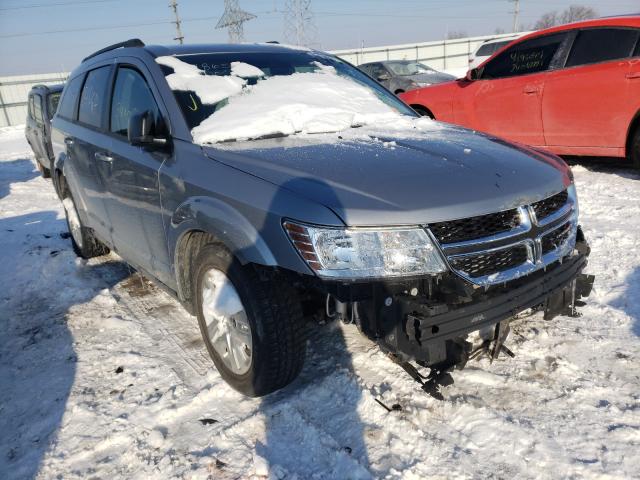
131 177
507 99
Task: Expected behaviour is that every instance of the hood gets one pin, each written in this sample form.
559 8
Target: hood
444 174
432 78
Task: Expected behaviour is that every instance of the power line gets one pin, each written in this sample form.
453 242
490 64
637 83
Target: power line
57 4
174 5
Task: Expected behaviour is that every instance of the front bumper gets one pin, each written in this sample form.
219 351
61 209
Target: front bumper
425 320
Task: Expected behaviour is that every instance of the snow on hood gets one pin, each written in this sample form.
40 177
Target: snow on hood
311 102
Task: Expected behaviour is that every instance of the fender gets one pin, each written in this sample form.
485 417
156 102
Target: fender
225 223
57 173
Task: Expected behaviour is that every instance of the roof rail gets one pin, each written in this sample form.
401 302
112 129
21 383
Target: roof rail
133 42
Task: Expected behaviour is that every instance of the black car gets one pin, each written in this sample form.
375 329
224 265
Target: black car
264 186
403 75
43 103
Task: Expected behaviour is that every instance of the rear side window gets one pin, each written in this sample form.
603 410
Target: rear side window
53 100
131 95
92 99
490 48
601 45
69 96
37 108
530 56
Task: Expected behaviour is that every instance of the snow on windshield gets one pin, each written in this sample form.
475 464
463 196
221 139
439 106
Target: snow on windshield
319 101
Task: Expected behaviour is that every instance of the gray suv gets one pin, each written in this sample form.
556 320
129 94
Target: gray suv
42 104
264 186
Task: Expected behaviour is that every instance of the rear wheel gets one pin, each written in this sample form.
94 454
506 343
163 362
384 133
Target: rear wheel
84 242
634 152
252 327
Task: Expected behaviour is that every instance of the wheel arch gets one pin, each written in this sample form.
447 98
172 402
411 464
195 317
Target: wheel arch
204 220
633 126
421 108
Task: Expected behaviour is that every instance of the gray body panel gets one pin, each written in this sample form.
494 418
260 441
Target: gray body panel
143 203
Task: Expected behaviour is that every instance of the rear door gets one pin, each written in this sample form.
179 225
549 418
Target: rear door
38 133
87 138
507 99
590 102
131 174
30 127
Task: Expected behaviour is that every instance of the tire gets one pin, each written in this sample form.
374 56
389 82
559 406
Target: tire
634 153
45 172
270 310
83 241
423 112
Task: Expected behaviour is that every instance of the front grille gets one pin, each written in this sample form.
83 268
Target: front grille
475 227
555 239
488 263
550 205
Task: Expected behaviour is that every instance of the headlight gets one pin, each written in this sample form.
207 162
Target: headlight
366 252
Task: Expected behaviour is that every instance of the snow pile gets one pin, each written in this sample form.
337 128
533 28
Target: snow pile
105 376
244 70
311 102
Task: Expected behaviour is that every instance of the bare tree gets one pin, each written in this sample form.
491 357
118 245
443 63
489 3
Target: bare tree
574 13
456 34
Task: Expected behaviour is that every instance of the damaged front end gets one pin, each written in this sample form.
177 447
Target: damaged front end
498 265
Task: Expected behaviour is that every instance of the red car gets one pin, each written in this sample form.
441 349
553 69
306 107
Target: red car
572 89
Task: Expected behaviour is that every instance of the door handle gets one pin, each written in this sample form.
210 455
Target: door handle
633 75
68 141
530 89
103 157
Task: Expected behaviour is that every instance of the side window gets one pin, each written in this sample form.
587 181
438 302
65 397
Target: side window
131 95
366 69
67 108
529 56
37 108
92 99
31 108
601 45
377 70
53 99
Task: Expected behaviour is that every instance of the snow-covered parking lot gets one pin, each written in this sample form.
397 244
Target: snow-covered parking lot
104 376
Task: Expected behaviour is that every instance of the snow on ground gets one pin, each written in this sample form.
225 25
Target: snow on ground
104 376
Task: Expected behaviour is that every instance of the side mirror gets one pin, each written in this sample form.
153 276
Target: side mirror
472 75
383 77
141 131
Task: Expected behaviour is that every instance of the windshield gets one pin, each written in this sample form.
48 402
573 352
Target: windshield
230 96
409 68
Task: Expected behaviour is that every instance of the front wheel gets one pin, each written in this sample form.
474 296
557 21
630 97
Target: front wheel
634 153
252 327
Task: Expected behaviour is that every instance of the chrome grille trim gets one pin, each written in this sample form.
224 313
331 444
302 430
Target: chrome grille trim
528 234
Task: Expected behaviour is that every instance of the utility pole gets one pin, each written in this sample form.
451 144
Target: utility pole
174 5
516 12
232 19
299 24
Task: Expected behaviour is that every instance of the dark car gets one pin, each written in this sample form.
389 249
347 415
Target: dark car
43 103
404 75
264 186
